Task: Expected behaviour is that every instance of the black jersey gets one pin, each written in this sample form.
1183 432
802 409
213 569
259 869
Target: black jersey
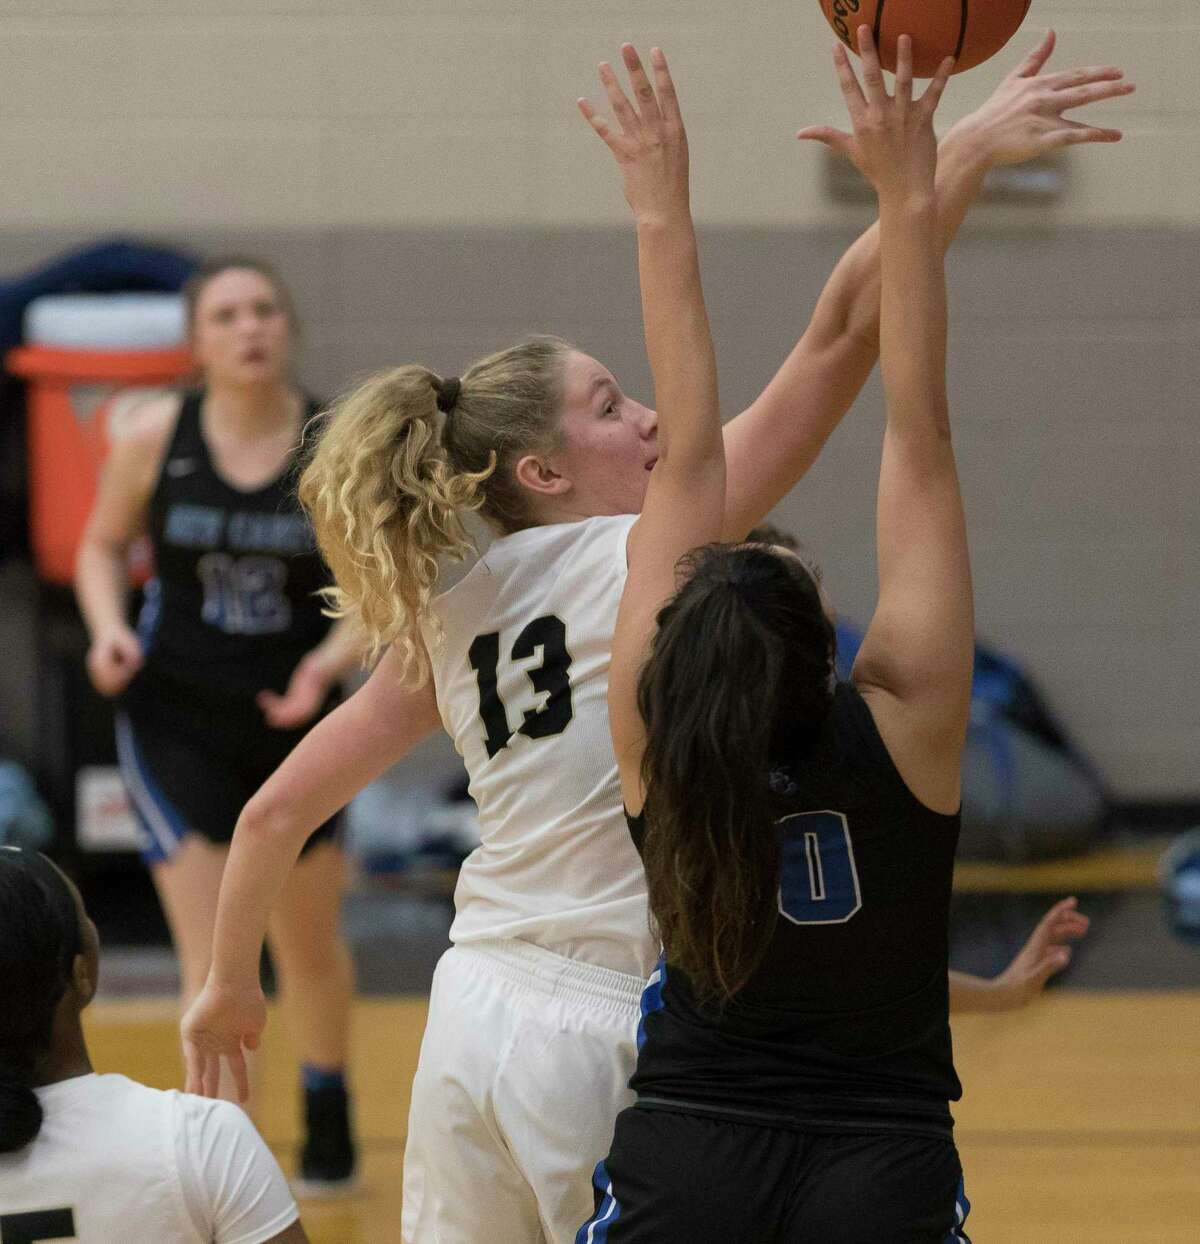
232 607
846 1022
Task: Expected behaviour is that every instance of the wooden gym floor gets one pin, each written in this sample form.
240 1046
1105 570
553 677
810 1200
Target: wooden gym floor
1080 1120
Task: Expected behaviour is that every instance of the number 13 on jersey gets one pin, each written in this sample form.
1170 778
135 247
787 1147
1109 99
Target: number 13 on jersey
550 680
818 880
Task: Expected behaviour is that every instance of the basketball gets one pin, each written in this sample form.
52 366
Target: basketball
972 31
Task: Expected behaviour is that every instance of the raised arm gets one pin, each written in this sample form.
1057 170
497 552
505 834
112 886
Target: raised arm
915 663
356 743
774 442
685 498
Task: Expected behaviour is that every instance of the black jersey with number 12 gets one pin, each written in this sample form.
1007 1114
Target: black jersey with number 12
232 607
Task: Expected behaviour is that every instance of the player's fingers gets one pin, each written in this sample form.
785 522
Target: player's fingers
1052 963
904 69
643 92
599 126
1079 96
937 87
1075 133
192 1081
210 1075
1068 78
272 706
856 101
837 139
668 99
237 1064
622 109
1071 927
873 83
1032 65
588 110
1063 908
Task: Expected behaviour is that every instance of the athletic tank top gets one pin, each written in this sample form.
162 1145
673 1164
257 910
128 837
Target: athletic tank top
232 606
845 1025
521 675
115 1160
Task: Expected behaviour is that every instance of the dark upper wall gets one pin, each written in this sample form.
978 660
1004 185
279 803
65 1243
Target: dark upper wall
1074 370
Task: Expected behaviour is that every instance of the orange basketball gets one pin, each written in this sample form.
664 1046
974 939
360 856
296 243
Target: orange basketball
972 31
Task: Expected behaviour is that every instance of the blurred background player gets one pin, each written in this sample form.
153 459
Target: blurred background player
799 834
100 1157
232 660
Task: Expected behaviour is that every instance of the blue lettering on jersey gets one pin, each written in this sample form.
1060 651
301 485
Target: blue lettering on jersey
818 881
285 535
245 595
194 526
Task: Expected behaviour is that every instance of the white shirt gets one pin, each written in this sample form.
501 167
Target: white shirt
132 1163
534 619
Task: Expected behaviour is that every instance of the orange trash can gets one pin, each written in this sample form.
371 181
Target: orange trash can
71 395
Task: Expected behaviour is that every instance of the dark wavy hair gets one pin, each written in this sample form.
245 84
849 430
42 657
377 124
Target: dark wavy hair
40 936
737 682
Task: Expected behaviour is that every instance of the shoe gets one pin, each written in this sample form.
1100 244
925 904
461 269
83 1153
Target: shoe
328 1162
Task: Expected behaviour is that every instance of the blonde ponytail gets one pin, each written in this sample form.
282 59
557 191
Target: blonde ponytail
386 504
388 486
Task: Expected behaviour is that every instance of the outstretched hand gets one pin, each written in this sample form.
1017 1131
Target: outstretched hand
306 691
1023 118
1044 955
651 147
893 144
222 1023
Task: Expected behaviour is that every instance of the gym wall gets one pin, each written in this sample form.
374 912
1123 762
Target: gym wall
419 171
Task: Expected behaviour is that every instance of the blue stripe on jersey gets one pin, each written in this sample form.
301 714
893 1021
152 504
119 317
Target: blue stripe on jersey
163 825
962 1207
595 1230
151 612
652 997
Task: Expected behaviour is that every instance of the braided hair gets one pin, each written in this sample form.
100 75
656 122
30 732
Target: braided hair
40 935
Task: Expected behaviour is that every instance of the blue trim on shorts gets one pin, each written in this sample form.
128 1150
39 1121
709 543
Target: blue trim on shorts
962 1207
163 825
652 997
595 1230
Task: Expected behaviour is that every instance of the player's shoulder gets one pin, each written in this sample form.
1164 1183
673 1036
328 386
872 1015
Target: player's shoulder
604 536
116 1087
204 1128
523 561
122 1103
209 1115
143 421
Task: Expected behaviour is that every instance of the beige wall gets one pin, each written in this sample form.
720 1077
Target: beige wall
418 171
310 113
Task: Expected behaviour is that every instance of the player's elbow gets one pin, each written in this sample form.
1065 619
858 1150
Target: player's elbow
267 818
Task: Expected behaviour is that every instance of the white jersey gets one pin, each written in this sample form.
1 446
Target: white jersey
521 674
116 1160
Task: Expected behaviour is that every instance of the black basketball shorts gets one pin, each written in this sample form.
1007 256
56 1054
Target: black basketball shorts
190 767
675 1177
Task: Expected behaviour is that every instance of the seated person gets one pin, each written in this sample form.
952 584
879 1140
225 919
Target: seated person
100 1158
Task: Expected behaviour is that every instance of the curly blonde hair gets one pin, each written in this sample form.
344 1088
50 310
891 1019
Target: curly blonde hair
389 484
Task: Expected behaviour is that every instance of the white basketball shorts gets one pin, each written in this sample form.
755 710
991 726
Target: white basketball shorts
524 1066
